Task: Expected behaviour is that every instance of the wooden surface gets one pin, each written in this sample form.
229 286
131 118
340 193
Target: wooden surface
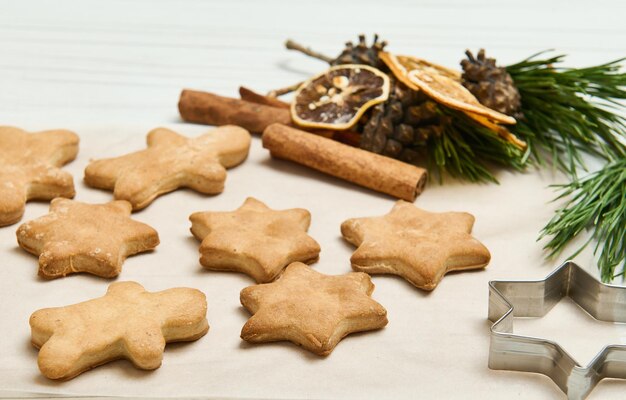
112 70
73 62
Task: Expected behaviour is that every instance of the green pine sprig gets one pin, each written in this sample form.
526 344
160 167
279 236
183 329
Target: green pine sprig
597 201
465 149
569 111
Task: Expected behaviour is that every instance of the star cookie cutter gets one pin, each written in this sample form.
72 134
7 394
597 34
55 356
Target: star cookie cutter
508 351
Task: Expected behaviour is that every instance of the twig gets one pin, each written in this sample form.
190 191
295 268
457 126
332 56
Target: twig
291 45
285 90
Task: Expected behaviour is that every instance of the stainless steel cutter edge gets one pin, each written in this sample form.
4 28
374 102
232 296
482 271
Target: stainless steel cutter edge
508 351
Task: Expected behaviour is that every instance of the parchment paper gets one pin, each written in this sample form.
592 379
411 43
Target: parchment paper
435 346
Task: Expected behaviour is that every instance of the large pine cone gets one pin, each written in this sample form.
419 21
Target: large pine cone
361 53
403 123
491 85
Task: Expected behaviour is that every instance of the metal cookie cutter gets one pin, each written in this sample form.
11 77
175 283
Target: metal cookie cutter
509 299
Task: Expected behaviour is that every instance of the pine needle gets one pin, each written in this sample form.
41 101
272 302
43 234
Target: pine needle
569 111
465 148
596 202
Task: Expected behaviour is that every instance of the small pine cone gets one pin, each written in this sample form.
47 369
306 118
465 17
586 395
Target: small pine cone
492 85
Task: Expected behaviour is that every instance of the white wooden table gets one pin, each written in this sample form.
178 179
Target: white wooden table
113 70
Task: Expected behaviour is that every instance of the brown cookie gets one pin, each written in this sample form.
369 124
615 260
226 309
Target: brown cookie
29 168
128 322
418 245
254 239
311 309
78 237
171 161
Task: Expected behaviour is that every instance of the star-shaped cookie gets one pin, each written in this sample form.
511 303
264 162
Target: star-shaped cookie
418 245
171 161
128 322
311 309
29 168
78 237
254 239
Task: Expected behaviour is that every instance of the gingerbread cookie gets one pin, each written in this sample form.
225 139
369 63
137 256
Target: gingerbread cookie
128 322
254 239
418 245
29 168
311 309
78 237
171 161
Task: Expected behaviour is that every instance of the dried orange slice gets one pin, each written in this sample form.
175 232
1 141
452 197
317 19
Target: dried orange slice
451 93
402 65
502 131
441 84
337 98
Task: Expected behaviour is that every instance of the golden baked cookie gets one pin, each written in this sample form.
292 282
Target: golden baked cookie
128 322
418 245
254 239
311 309
29 168
79 237
171 161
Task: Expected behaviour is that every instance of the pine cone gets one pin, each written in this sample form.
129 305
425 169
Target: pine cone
403 123
491 85
361 53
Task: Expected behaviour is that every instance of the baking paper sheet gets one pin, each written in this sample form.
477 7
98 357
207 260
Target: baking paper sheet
435 346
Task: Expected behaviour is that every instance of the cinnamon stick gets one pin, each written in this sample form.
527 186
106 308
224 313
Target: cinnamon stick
364 168
211 109
253 97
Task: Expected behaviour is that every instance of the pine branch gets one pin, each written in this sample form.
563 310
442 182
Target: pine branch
463 148
596 202
568 111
